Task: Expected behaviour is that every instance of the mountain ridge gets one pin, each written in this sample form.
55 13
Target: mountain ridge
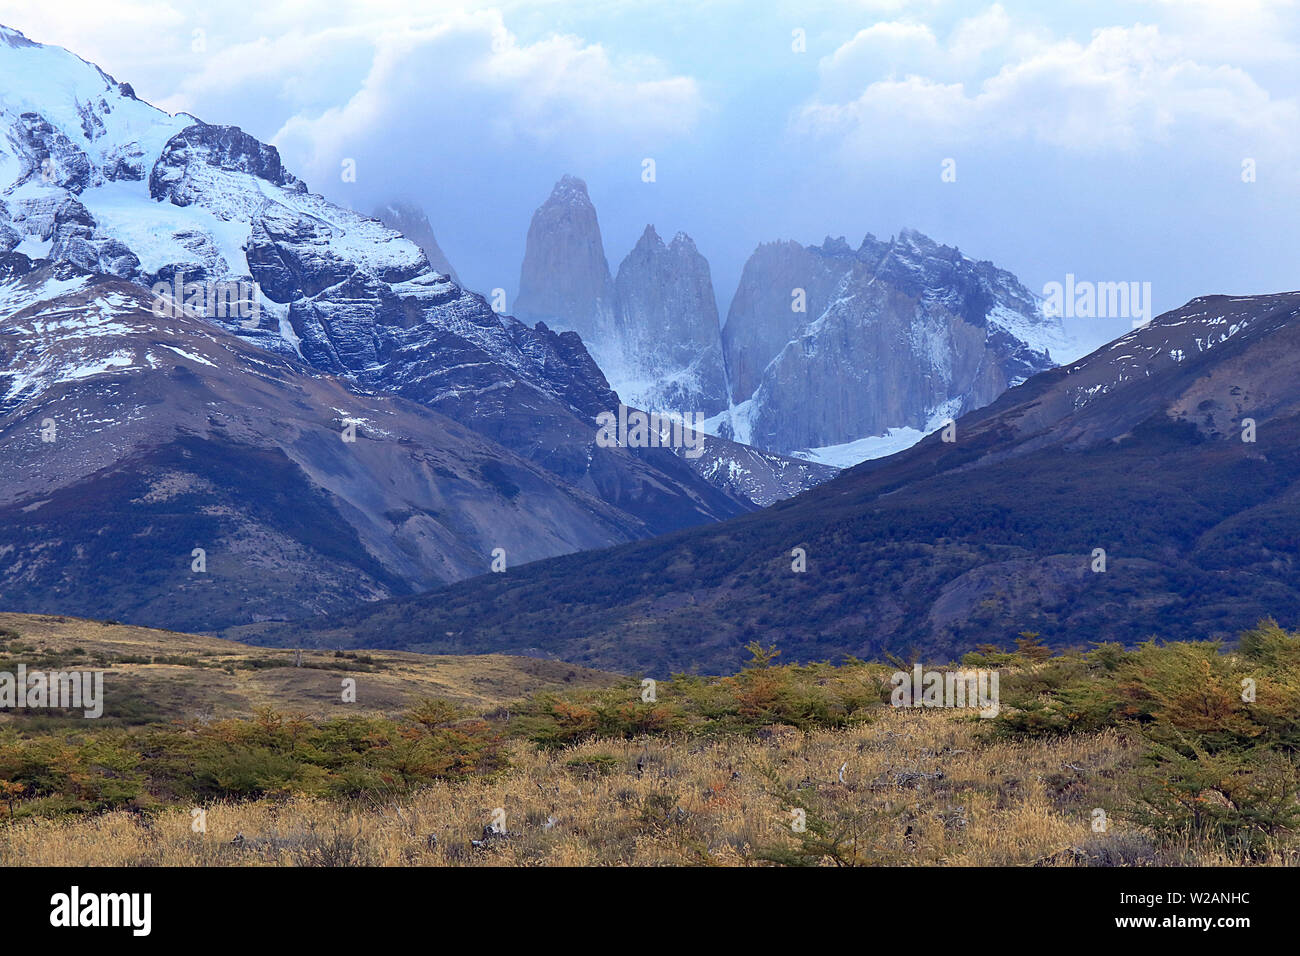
1135 450
303 494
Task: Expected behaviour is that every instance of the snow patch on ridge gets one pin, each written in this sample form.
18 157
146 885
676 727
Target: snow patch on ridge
848 454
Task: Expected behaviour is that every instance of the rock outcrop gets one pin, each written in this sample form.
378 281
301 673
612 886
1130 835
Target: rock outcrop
827 345
653 330
564 280
668 337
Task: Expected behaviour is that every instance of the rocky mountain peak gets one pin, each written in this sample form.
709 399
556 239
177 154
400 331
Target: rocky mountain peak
226 148
570 190
683 243
649 237
565 280
668 347
827 348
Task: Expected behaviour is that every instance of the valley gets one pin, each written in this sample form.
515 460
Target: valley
315 554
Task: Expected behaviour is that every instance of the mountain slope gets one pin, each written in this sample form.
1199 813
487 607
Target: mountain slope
131 439
1136 449
762 477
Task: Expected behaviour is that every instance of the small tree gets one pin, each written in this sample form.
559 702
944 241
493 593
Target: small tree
760 658
1031 647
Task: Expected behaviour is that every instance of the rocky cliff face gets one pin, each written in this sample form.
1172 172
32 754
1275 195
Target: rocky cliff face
764 313
653 330
410 221
826 350
827 345
669 352
564 280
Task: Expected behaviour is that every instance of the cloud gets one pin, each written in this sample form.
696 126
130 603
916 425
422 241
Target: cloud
1241 31
468 81
881 50
310 65
473 108
896 49
1125 88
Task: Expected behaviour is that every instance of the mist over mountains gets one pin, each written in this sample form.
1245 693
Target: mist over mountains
827 352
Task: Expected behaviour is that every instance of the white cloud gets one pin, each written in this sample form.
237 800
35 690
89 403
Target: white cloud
311 64
1124 88
895 49
468 80
981 33
1232 31
881 50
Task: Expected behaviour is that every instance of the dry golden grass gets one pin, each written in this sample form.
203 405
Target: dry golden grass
696 803
221 685
909 787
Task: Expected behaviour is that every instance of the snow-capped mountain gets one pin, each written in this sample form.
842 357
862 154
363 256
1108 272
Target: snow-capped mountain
94 178
827 347
762 477
1211 364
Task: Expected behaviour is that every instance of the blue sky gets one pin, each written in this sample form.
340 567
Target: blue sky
1105 140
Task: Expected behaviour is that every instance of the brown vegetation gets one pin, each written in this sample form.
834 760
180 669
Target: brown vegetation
1118 757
